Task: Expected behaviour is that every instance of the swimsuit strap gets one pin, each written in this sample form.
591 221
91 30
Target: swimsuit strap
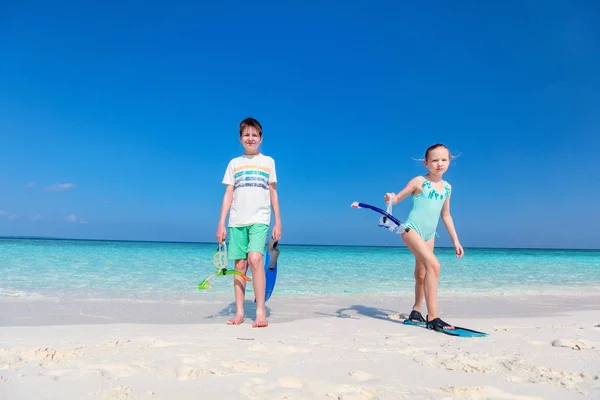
447 188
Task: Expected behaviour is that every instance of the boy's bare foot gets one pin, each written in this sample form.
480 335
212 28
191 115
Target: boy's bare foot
261 320
237 320
260 323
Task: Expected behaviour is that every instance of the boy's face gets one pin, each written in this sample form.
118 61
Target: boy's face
250 139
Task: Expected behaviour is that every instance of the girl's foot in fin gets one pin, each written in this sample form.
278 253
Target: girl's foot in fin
237 320
438 325
416 316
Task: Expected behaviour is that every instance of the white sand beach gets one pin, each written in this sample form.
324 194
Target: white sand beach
343 348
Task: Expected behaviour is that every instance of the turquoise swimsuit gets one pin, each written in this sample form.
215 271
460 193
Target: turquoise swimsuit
427 206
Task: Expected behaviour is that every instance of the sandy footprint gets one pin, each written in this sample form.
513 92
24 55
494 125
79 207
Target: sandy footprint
56 374
143 364
522 372
575 344
290 387
257 388
187 373
296 350
156 343
361 376
164 343
513 369
353 392
397 317
320 341
115 343
244 366
180 372
115 393
12 358
290 382
259 348
286 387
189 368
537 343
483 393
465 361
120 392
78 373
199 358
279 349
112 371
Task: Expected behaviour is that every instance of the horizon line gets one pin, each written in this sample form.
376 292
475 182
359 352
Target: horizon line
285 244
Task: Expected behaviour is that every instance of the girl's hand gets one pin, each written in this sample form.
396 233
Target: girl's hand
459 250
389 197
221 233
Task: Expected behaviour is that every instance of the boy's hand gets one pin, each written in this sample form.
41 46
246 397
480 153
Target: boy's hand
221 233
459 250
277 232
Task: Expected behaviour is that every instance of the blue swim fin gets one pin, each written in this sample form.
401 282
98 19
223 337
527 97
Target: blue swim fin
458 331
271 267
413 323
463 332
272 254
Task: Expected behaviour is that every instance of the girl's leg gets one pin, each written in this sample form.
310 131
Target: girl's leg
420 279
419 285
424 253
239 288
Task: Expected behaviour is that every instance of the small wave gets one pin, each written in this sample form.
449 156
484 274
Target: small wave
12 293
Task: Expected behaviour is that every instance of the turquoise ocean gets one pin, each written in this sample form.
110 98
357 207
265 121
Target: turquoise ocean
95 269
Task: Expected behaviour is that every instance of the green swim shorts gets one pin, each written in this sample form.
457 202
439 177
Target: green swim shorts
244 239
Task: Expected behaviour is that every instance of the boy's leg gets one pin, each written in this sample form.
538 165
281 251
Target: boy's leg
256 248
420 272
424 253
238 250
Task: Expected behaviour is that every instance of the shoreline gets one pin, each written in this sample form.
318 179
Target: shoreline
224 289
219 307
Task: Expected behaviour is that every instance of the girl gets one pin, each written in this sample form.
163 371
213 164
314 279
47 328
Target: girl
431 197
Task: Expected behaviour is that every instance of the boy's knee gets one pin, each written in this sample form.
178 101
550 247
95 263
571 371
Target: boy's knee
241 265
255 260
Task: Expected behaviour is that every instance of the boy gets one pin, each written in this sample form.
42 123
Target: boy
251 191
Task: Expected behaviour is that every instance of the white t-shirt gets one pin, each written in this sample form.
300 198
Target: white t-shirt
250 176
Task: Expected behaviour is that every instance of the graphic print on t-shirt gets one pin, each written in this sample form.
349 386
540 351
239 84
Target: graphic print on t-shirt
251 176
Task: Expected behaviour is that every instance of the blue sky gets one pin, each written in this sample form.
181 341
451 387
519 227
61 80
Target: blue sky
117 120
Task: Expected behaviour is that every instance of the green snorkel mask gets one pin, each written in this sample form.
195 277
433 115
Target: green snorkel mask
220 261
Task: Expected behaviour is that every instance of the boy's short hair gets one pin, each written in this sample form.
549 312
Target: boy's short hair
250 122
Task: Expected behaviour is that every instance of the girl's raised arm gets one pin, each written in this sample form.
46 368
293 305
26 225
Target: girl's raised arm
412 186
